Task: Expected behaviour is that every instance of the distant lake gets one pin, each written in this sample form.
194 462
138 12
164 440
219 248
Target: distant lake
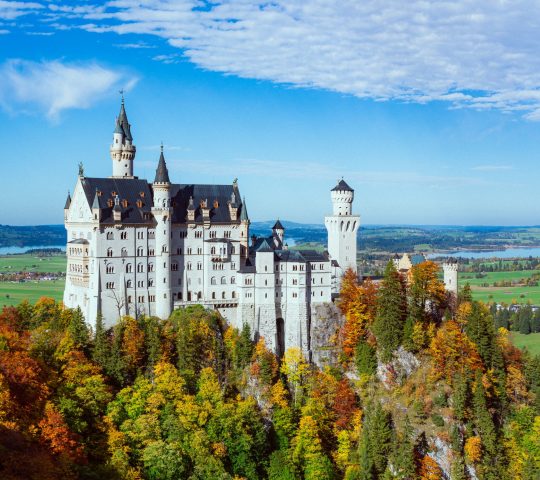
11 250
508 253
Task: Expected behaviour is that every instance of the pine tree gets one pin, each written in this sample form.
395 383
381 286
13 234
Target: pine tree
465 295
391 312
365 358
403 458
379 436
479 328
245 346
78 330
482 418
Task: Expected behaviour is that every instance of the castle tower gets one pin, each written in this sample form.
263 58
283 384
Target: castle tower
342 226
162 212
450 269
122 149
244 229
278 232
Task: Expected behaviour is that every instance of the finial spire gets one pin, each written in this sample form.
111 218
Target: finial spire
121 92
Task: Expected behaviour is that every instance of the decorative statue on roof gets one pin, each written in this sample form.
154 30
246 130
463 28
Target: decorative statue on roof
81 169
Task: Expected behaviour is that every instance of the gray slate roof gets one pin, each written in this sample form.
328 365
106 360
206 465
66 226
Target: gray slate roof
162 174
122 124
342 186
68 202
278 226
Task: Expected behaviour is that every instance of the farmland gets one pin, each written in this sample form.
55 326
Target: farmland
530 342
515 292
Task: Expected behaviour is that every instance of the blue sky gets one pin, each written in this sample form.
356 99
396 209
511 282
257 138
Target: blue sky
430 111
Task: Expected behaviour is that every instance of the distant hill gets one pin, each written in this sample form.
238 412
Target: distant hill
30 236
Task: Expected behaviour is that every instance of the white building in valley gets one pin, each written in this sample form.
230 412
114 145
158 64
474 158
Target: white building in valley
136 247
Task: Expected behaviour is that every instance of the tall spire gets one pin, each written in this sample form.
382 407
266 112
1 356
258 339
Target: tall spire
68 201
243 214
122 124
162 174
122 149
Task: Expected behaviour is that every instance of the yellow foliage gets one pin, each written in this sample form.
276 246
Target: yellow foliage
418 336
279 395
463 313
473 449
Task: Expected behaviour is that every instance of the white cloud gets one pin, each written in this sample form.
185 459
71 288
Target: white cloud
482 55
11 10
53 86
4 32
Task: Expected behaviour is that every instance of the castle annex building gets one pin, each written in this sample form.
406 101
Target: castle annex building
136 247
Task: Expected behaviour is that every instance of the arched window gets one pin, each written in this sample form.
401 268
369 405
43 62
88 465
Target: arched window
140 268
124 252
213 280
164 248
223 295
233 280
213 295
213 250
110 268
140 251
129 268
233 294
233 250
150 267
223 280
123 235
129 284
109 252
110 236
199 296
151 282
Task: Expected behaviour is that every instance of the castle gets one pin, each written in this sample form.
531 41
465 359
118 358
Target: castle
136 248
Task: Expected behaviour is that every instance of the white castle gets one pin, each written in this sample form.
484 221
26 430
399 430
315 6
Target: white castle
136 247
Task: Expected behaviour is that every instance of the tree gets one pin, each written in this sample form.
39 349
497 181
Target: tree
391 312
78 330
295 367
429 469
365 358
427 292
482 418
403 456
101 350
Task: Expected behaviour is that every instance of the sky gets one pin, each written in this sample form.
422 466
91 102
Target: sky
430 110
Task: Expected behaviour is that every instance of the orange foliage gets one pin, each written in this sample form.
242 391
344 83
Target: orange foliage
429 469
344 405
133 343
473 449
452 352
56 434
358 305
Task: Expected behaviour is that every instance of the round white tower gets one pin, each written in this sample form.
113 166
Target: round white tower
450 269
162 212
122 149
342 227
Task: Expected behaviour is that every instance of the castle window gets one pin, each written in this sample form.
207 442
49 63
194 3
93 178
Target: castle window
140 235
233 280
198 234
295 281
110 236
124 252
130 299
140 268
150 252
129 284
109 285
213 295
164 249
199 265
140 251
233 294
213 250
125 202
151 282
189 265
139 204
179 295
151 234
151 298
223 280
174 267
178 251
140 298
164 280
213 234
213 281
110 203
199 251
233 250
140 284
223 295
150 267
189 251
109 252
233 266
110 268
141 194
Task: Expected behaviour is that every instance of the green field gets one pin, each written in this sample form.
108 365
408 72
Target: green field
30 291
32 263
12 293
531 342
518 294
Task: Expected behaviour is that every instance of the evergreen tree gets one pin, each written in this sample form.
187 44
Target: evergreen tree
391 312
152 340
78 330
465 295
525 316
403 458
365 358
460 398
482 418
379 437
535 321
245 347
480 329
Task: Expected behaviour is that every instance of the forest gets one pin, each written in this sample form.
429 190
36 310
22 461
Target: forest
419 385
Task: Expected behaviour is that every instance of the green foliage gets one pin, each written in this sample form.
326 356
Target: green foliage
365 358
391 312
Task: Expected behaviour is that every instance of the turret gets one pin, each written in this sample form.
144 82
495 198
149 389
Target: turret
122 149
96 212
342 228
244 229
450 270
278 232
66 206
162 213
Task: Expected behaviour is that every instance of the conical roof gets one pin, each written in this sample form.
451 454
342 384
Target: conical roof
342 186
243 213
122 124
264 247
95 203
278 225
68 201
162 174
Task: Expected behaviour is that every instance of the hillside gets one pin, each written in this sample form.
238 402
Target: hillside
414 385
